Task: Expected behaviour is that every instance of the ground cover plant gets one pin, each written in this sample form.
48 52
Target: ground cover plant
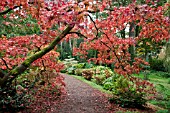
101 24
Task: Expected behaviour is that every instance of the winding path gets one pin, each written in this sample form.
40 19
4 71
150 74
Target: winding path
82 98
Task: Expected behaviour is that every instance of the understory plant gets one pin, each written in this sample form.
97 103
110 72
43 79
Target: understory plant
27 89
87 74
130 92
101 73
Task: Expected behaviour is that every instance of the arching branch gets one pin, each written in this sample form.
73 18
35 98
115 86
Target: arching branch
26 63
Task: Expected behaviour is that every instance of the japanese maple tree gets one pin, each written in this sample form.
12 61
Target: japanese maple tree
74 19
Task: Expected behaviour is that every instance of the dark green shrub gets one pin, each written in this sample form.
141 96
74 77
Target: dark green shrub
72 69
63 71
14 98
88 65
162 74
156 64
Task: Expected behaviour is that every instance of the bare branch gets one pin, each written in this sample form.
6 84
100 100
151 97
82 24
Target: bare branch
94 26
8 10
5 64
79 34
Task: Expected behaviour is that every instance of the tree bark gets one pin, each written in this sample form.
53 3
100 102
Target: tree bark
25 64
167 57
132 47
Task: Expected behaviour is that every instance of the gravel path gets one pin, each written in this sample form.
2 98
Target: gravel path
82 98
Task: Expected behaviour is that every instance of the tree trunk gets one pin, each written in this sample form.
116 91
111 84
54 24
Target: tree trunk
167 57
132 47
25 64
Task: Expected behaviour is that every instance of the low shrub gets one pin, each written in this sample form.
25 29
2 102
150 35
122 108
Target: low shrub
99 79
79 65
87 74
13 100
156 64
108 84
78 72
21 94
71 70
130 92
101 73
88 65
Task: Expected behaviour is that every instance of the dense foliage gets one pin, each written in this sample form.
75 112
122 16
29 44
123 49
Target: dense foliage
51 22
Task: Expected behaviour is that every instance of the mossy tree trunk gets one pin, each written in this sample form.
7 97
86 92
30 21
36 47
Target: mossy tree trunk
167 52
167 57
9 77
132 47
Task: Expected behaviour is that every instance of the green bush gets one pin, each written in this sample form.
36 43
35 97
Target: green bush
128 93
103 70
71 70
79 65
63 70
101 73
78 72
88 65
108 84
156 64
71 65
99 79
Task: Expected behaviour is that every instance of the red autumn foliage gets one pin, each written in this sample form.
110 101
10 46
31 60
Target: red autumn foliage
100 34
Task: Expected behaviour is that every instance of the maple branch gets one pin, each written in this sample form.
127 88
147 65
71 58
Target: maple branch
113 51
6 80
94 26
8 10
79 34
5 63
